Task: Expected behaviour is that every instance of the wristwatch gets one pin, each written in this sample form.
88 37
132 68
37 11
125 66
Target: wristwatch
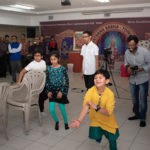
98 108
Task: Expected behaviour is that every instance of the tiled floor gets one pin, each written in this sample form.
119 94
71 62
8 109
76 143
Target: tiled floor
44 137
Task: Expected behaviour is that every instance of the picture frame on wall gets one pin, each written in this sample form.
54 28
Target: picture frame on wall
77 41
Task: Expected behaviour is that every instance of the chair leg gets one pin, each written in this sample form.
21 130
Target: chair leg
27 115
4 127
6 114
39 115
23 117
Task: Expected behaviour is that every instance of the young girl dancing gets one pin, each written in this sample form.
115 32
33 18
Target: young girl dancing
100 101
57 84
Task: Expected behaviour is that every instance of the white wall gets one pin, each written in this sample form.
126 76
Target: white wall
14 19
35 20
26 20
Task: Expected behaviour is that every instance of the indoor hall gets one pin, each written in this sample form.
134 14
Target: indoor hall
45 137
64 21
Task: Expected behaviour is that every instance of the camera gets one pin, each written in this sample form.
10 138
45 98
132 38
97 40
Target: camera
107 51
133 70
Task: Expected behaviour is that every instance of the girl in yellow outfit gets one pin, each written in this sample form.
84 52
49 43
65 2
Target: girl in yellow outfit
100 101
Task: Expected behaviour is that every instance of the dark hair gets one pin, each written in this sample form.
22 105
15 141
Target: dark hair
38 50
14 36
6 36
105 73
87 32
54 54
23 34
133 37
52 37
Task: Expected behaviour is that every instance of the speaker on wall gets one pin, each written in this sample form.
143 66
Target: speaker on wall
31 32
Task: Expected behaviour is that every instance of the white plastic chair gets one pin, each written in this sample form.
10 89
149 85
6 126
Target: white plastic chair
4 87
26 95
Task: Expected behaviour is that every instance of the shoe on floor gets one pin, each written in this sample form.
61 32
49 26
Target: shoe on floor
99 140
133 118
142 123
66 126
57 126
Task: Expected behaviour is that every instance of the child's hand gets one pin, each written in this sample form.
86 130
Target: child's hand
59 95
75 124
18 83
82 76
49 95
89 103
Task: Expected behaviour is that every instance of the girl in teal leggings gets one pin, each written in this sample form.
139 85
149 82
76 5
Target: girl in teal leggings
57 85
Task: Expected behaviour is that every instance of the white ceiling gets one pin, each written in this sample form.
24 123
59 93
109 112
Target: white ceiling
46 6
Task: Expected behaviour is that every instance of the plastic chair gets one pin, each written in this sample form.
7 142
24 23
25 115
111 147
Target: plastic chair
4 87
26 96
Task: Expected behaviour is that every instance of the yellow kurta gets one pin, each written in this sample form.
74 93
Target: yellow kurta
98 119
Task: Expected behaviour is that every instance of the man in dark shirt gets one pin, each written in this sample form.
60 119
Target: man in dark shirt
6 42
53 44
3 51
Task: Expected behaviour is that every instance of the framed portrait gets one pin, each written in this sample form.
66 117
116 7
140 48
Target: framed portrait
77 40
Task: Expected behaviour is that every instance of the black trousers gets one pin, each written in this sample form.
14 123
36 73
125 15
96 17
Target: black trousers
15 68
23 59
3 66
8 66
89 81
43 96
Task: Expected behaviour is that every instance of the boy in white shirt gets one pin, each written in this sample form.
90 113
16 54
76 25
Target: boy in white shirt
90 62
36 64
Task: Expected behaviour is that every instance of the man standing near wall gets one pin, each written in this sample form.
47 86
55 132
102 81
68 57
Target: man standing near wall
15 56
6 41
137 62
89 52
3 51
24 50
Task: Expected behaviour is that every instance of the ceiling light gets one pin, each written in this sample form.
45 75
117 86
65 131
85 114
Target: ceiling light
103 1
23 7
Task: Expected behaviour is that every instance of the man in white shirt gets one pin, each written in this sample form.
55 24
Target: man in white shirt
89 52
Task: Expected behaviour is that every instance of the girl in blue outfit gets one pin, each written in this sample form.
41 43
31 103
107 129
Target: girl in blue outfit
57 85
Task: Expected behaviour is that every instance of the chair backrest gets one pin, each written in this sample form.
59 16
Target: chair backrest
4 88
31 86
35 81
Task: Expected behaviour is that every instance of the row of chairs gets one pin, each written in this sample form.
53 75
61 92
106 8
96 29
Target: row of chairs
22 97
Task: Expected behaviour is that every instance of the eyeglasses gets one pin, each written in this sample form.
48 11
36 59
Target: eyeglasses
37 55
131 45
85 36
